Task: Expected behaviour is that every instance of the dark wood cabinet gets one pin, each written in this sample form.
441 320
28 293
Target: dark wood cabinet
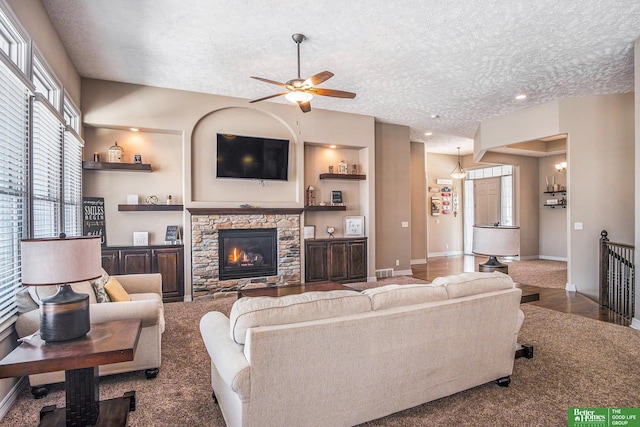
336 260
166 260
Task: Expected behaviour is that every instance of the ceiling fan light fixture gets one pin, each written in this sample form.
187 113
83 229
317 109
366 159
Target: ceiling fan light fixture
296 96
458 172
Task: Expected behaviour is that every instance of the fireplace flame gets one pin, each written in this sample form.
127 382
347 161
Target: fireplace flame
235 256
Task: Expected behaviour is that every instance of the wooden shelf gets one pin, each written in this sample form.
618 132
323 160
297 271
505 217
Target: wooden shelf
134 167
554 192
342 176
556 206
140 208
325 208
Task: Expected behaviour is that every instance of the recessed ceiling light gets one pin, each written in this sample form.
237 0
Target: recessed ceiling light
435 116
134 129
332 146
521 96
428 133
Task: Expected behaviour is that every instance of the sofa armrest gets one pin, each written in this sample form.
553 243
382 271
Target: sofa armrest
141 283
149 311
226 355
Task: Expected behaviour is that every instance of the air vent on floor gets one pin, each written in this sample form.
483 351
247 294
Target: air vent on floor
386 272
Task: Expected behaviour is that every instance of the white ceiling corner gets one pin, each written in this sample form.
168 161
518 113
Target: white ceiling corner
462 60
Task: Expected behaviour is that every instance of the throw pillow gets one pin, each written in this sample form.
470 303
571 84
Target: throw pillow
24 302
115 290
98 287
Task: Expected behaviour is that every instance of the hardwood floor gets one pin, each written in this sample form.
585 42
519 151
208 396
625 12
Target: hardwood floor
551 298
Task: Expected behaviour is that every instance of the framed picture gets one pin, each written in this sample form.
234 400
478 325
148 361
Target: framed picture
309 232
353 226
336 197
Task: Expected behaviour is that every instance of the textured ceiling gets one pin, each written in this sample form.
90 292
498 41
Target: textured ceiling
462 60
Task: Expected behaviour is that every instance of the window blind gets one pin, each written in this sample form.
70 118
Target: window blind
14 113
72 161
46 169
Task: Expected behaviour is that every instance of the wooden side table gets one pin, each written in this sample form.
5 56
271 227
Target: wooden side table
109 342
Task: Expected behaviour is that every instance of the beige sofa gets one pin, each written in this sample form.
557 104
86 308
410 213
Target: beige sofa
341 358
146 304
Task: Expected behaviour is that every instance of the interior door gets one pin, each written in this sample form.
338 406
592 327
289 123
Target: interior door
486 194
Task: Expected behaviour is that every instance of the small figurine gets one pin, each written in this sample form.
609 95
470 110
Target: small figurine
330 231
342 167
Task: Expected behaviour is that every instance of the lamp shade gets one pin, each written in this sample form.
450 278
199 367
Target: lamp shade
495 241
59 261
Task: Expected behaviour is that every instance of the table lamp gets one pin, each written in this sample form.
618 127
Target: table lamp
494 240
62 261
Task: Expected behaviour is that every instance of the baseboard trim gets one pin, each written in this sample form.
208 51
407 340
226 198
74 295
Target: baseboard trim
372 279
635 323
418 261
11 397
553 258
571 287
402 272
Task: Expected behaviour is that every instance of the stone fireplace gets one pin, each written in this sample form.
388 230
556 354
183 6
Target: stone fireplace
255 234
245 253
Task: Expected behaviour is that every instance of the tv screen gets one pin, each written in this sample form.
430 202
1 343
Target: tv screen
250 157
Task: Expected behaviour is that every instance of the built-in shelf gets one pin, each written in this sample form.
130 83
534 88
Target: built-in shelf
563 192
556 206
134 167
139 208
325 208
342 176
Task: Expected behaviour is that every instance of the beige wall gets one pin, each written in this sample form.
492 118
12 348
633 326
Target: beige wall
445 232
35 20
419 204
393 197
553 221
600 139
600 155
190 121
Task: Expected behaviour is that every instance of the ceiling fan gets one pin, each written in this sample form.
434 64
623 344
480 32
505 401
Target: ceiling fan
301 91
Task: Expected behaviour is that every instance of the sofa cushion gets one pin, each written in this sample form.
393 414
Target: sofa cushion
98 287
266 311
465 284
398 295
38 293
115 290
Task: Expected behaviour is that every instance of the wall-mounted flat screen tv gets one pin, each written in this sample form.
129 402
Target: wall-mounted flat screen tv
248 157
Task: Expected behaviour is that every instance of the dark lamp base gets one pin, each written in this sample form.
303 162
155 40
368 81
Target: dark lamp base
492 265
64 316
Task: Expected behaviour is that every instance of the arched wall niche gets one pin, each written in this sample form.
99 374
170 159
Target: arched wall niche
248 122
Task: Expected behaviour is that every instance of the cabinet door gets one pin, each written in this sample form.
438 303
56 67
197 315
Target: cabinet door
357 259
337 261
135 261
169 263
110 262
315 262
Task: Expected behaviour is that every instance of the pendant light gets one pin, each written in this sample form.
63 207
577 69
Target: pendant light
458 172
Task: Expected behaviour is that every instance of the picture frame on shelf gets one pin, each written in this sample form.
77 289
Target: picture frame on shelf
173 235
140 238
309 232
354 226
336 198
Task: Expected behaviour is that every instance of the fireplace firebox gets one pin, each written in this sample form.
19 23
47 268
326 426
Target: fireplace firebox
247 253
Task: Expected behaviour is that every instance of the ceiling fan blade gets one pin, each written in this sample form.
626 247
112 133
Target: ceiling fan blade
268 97
273 82
316 79
305 106
332 92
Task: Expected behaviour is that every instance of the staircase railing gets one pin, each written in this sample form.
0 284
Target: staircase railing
617 277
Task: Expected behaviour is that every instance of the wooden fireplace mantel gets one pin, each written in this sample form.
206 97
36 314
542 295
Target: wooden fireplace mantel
245 211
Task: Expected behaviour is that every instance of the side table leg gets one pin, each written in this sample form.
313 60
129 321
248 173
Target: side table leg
82 396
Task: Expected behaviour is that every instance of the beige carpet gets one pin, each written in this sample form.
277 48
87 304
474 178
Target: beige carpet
578 362
539 272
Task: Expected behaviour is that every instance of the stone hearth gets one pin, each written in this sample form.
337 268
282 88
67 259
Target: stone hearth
205 224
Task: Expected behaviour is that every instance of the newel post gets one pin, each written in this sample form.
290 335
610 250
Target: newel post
604 268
